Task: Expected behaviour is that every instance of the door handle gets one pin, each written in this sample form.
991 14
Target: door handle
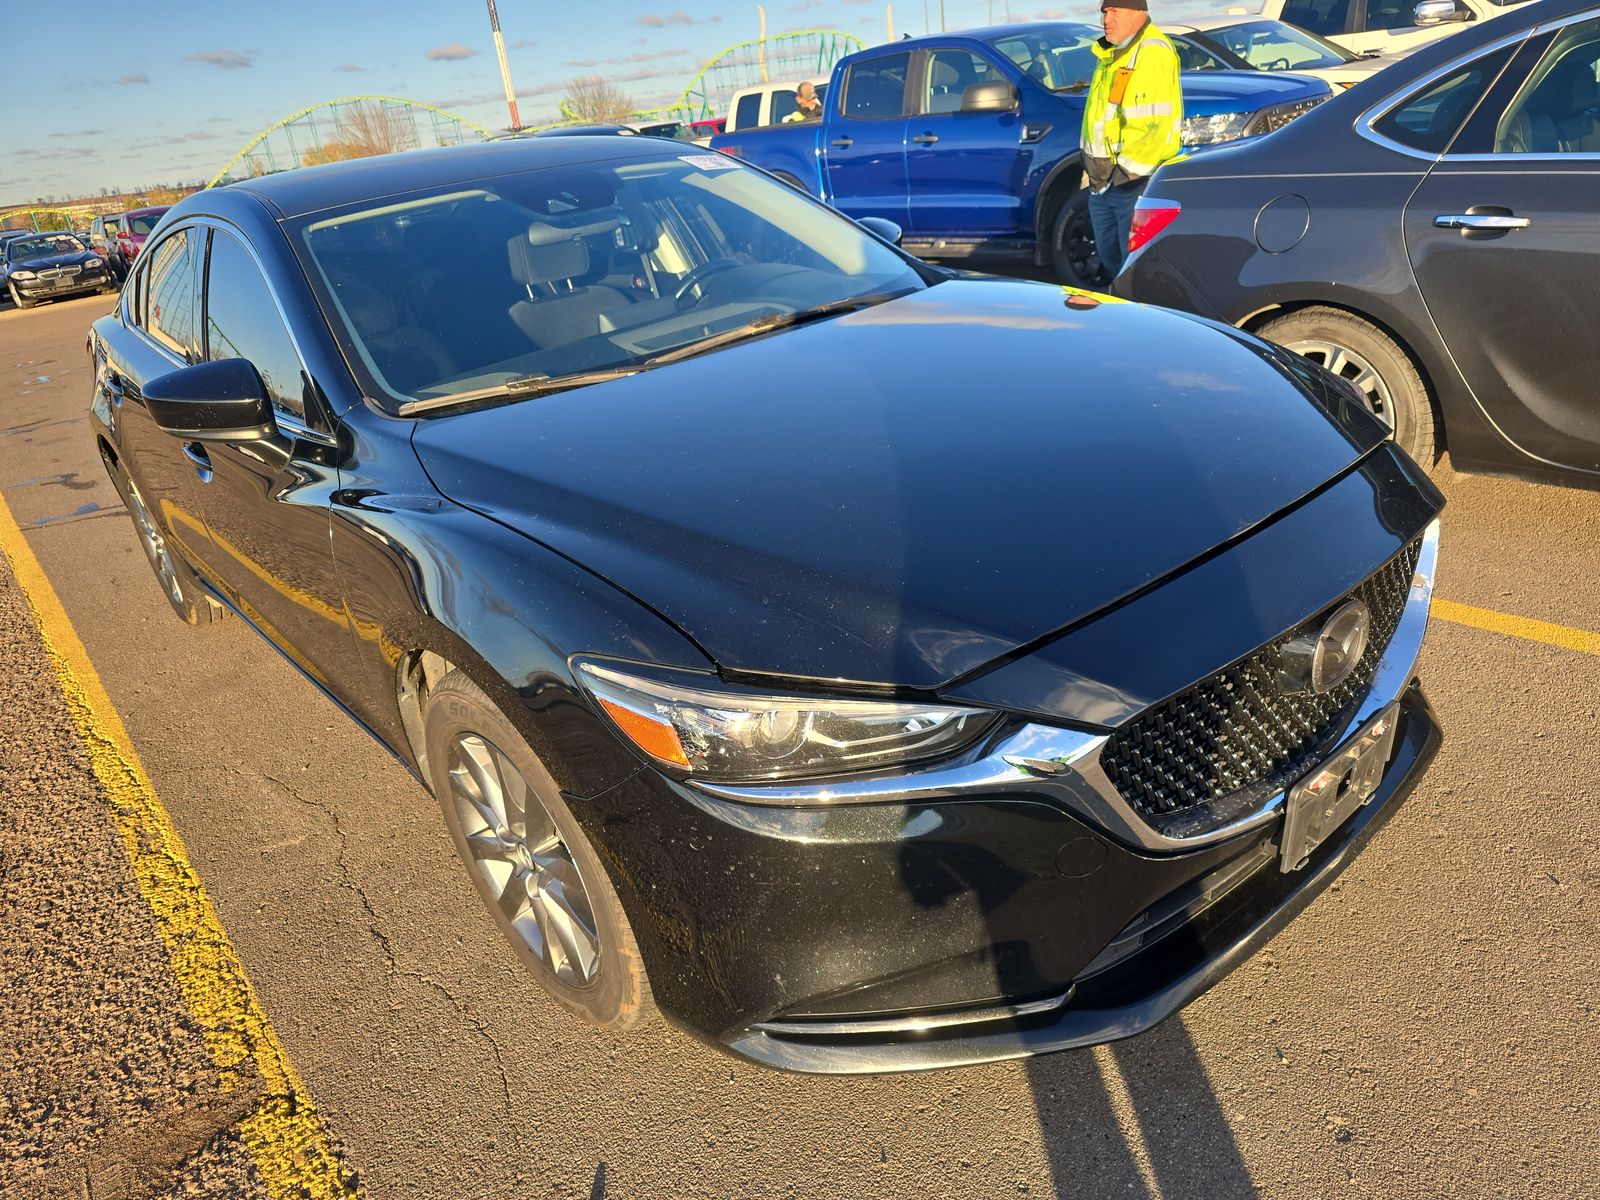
197 456
926 139
1480 221
843 143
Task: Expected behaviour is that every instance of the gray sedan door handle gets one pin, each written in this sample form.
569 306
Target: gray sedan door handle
1480 221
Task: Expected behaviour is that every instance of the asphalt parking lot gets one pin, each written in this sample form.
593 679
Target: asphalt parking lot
305 992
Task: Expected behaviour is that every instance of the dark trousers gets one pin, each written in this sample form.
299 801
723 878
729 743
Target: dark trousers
1111 214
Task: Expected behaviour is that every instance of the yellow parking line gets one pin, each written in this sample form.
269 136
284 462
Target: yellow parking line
1520 627
287 1139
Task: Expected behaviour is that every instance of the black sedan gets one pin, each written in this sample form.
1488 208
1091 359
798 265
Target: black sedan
1429 235
872 668
44 266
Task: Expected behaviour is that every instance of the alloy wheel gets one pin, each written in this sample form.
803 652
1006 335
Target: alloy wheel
522 861
155 545
1353 369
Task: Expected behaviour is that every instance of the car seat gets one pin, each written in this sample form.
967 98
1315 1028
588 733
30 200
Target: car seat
404 353
545 260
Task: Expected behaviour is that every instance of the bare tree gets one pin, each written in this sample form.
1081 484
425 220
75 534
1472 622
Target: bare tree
591 98
363 130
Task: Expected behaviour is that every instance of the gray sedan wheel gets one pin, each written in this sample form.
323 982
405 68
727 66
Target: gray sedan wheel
1367 358
530 860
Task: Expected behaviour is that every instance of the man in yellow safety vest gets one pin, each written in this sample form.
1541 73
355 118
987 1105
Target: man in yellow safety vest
1131 121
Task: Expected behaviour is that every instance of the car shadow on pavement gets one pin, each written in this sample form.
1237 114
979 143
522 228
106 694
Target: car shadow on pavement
1138 1118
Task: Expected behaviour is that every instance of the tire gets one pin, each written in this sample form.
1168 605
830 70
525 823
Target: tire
179 584
528 870
1361 353
1073 257
17 299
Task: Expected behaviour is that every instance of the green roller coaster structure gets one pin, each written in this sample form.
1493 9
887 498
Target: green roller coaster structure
780 56
347 127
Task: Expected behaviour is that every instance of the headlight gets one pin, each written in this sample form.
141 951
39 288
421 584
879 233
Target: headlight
712 731
1206 131
22 275
1280 115
93 262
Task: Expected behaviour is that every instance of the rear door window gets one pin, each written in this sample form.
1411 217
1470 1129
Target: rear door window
876 88
747 113
1319 16
171 297
1427 119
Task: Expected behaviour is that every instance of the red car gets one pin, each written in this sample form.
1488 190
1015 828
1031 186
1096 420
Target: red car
707 126
136 226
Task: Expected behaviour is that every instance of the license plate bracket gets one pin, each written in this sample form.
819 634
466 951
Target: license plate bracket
1323 800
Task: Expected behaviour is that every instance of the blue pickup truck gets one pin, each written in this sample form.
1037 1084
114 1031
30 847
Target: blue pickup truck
969 141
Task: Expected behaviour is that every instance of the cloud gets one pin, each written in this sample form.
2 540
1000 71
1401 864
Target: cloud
350 68
451 53
523 44
652 21
133 77
228 60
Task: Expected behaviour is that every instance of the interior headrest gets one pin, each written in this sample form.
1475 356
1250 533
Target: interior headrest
546 261
372 310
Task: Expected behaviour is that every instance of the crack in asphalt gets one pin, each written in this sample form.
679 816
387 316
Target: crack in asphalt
347 880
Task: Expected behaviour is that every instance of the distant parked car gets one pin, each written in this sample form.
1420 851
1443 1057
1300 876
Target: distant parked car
708 126
43 266
1267 45
103 239
1384 26
136 226
6 236
1430 236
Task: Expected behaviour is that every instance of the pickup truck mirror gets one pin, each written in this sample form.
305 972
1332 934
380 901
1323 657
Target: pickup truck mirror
1439 12
1002 97
222 401
882 227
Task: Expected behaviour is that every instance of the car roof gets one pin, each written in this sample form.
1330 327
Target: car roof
312 189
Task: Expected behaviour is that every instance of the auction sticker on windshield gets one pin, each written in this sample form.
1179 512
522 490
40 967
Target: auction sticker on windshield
710 162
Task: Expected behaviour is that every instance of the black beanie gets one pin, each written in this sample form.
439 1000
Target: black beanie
1136 5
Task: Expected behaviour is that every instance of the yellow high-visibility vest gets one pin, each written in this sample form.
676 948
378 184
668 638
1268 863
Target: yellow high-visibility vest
1133 114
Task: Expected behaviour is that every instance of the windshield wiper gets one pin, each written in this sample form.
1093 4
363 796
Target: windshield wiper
521 387
774 321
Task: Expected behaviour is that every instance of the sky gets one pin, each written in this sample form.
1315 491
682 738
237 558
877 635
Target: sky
126 95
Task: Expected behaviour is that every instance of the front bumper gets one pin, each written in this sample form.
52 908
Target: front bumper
88 281
1007 905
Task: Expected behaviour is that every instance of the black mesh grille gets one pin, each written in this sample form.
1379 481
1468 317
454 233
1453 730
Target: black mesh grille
1243 726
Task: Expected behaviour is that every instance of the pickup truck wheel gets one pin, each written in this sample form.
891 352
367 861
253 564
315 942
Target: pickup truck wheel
1363 355
530 860
1072 253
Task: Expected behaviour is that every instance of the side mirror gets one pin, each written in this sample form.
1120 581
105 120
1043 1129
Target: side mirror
882 227
1439 12
998 97
222 401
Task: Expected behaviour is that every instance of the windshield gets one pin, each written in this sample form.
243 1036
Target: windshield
572 270
1275 46
1059 56
48 246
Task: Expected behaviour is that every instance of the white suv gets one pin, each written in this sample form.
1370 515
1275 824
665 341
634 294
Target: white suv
1384 26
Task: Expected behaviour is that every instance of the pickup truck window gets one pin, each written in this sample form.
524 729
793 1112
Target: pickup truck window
950 73
747 113
1060 58
876 88
1390 14
1319 16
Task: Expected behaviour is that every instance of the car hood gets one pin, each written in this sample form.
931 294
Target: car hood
902 494
1207 93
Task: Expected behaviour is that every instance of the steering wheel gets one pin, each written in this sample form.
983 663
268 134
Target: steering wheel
1278 64
698 275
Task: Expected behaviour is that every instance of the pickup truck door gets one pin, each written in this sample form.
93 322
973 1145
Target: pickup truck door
964 170
1388 26
864 139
